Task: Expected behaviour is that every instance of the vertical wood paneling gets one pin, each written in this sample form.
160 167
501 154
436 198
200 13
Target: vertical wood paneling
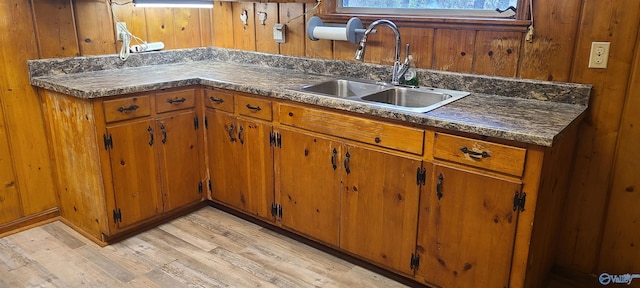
497 53
160 26
22 111
421 45
621 233
344 50
601 21
549 56
186 27
295 32
244 36
223 25
9 198
454 50
55 28
316 49
95 27
206 27
264 33
380 47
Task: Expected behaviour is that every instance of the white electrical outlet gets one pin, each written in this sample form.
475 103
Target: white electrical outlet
121 27
279 32
599 56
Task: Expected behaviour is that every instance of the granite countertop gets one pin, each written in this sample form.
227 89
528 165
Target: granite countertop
512 118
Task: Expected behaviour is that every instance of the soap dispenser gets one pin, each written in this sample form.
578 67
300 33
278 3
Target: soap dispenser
411 77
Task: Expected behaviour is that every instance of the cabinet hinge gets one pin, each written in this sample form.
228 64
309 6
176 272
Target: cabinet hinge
275 139
117 215
518 201
108 141
210 186
200 187
415 261
276 210
196 122
206 122
421 176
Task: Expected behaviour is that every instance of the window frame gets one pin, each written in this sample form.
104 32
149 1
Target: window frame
520 23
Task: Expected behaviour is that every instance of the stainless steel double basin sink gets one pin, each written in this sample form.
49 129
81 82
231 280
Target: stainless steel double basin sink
411 99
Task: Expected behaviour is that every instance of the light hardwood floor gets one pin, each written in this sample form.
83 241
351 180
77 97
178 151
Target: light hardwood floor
207 248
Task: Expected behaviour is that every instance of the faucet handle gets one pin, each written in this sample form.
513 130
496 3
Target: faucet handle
406 55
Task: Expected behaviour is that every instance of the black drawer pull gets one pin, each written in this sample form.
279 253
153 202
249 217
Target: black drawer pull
128 109
474 154
255 109
176 101
347 159
217 101
230 131
164 133
439 186
333 159
150 135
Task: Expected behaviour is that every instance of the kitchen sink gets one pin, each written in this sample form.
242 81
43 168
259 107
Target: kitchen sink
344 87
411 99
414 99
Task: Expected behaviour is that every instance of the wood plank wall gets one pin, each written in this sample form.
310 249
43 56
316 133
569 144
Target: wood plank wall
600 223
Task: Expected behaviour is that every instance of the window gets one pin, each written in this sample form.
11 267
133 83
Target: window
441 8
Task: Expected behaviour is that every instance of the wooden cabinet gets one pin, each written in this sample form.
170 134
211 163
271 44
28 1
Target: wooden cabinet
122 162
154 161
240 153
133 161
310 171
445 210
179 158
467 229
380 196
360 199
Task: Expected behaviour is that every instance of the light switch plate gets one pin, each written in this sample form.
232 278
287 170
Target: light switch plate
279 32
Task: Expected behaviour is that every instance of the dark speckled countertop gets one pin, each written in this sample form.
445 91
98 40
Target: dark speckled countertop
527 111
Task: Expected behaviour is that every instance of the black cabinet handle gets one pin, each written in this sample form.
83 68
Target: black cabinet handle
241 135
176 101
128 109
474 154
217 101
333 159
230 131
439 186
347 158
164 133
150 135
254 109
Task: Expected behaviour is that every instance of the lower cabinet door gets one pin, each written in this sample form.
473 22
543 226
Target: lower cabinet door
309 185
380 197
134 166
466 229
256 165
178 142
224 167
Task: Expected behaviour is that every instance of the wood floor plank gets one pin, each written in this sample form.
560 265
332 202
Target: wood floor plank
207 248
63 236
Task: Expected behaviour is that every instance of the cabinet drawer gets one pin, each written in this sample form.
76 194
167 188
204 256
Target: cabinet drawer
175 100
491 156
254 107
126 108
364 130
218 99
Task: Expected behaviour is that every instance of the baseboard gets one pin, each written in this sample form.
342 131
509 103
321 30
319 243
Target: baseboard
29 222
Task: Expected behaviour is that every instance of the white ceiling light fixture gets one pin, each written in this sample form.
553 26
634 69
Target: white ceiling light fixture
174 3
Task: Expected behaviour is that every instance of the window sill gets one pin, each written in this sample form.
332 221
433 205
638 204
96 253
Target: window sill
493 24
